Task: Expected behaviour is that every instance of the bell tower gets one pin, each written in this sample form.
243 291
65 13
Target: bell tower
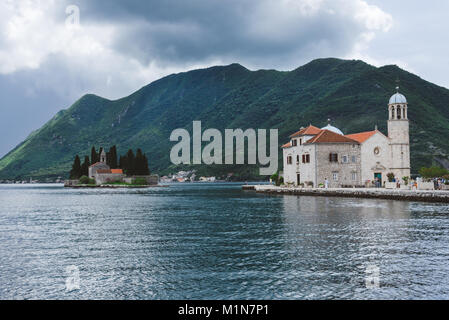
398 133
103 156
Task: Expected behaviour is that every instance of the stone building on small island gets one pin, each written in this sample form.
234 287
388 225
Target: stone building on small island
102 173
314 156
131 170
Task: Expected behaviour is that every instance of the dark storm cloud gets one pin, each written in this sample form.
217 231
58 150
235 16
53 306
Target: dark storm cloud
123 45
248 31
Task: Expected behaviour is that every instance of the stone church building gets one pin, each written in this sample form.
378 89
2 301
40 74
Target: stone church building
102 173
314 155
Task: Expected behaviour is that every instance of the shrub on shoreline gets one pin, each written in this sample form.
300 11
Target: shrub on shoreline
86 180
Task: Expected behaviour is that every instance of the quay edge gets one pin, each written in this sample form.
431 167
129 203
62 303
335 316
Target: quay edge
369 193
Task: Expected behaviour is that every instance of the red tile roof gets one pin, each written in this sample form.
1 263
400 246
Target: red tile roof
310 130
97 163
361 136
326 136
118 171
287 145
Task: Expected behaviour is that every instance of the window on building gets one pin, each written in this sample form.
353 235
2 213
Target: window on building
398 112
306 158
354 176
344 159
300 142
333 157
335 175
297 158
294 142
354 159
289 160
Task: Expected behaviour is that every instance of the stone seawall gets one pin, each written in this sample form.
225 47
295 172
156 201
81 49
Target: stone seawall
404 195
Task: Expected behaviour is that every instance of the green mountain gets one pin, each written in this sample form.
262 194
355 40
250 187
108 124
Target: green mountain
352 93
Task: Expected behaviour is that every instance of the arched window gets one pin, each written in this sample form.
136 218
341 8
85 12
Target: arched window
398 112
392 113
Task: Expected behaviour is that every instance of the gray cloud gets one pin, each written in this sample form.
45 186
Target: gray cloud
123 45
277 33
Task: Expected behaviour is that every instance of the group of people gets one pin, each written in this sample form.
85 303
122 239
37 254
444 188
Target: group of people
438 183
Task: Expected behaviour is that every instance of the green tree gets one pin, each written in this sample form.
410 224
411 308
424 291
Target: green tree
85 166
94 157
390 176
111 158
86 180
130 163
122 162
146 169
141 164
433 172
75 173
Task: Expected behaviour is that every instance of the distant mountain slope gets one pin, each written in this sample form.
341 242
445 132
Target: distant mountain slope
352 93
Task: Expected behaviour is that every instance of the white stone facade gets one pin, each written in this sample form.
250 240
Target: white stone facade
95 167
315 155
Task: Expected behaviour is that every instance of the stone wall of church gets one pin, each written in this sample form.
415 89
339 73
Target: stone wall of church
376 157
99 166
101 178
339 173
398 132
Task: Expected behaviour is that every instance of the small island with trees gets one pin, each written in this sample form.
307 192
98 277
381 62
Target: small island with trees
103 170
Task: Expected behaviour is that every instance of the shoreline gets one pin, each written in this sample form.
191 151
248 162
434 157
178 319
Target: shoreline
110 186
439 196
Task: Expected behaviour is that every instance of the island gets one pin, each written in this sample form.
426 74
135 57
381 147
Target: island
102 170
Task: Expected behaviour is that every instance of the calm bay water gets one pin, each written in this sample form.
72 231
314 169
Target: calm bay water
214 241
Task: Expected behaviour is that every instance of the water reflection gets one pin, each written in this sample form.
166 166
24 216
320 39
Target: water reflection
214 241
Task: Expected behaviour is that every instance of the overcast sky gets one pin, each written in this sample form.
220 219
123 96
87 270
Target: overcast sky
48 60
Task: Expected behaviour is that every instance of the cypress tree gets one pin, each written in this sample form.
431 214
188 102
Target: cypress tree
108 158
94 158
112 157
130 163
85 167
138 163
75 173
141 164
146 169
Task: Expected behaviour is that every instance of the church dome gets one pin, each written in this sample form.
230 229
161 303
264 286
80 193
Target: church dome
333 129
397 98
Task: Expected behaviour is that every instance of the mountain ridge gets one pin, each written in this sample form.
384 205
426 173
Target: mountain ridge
352 93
